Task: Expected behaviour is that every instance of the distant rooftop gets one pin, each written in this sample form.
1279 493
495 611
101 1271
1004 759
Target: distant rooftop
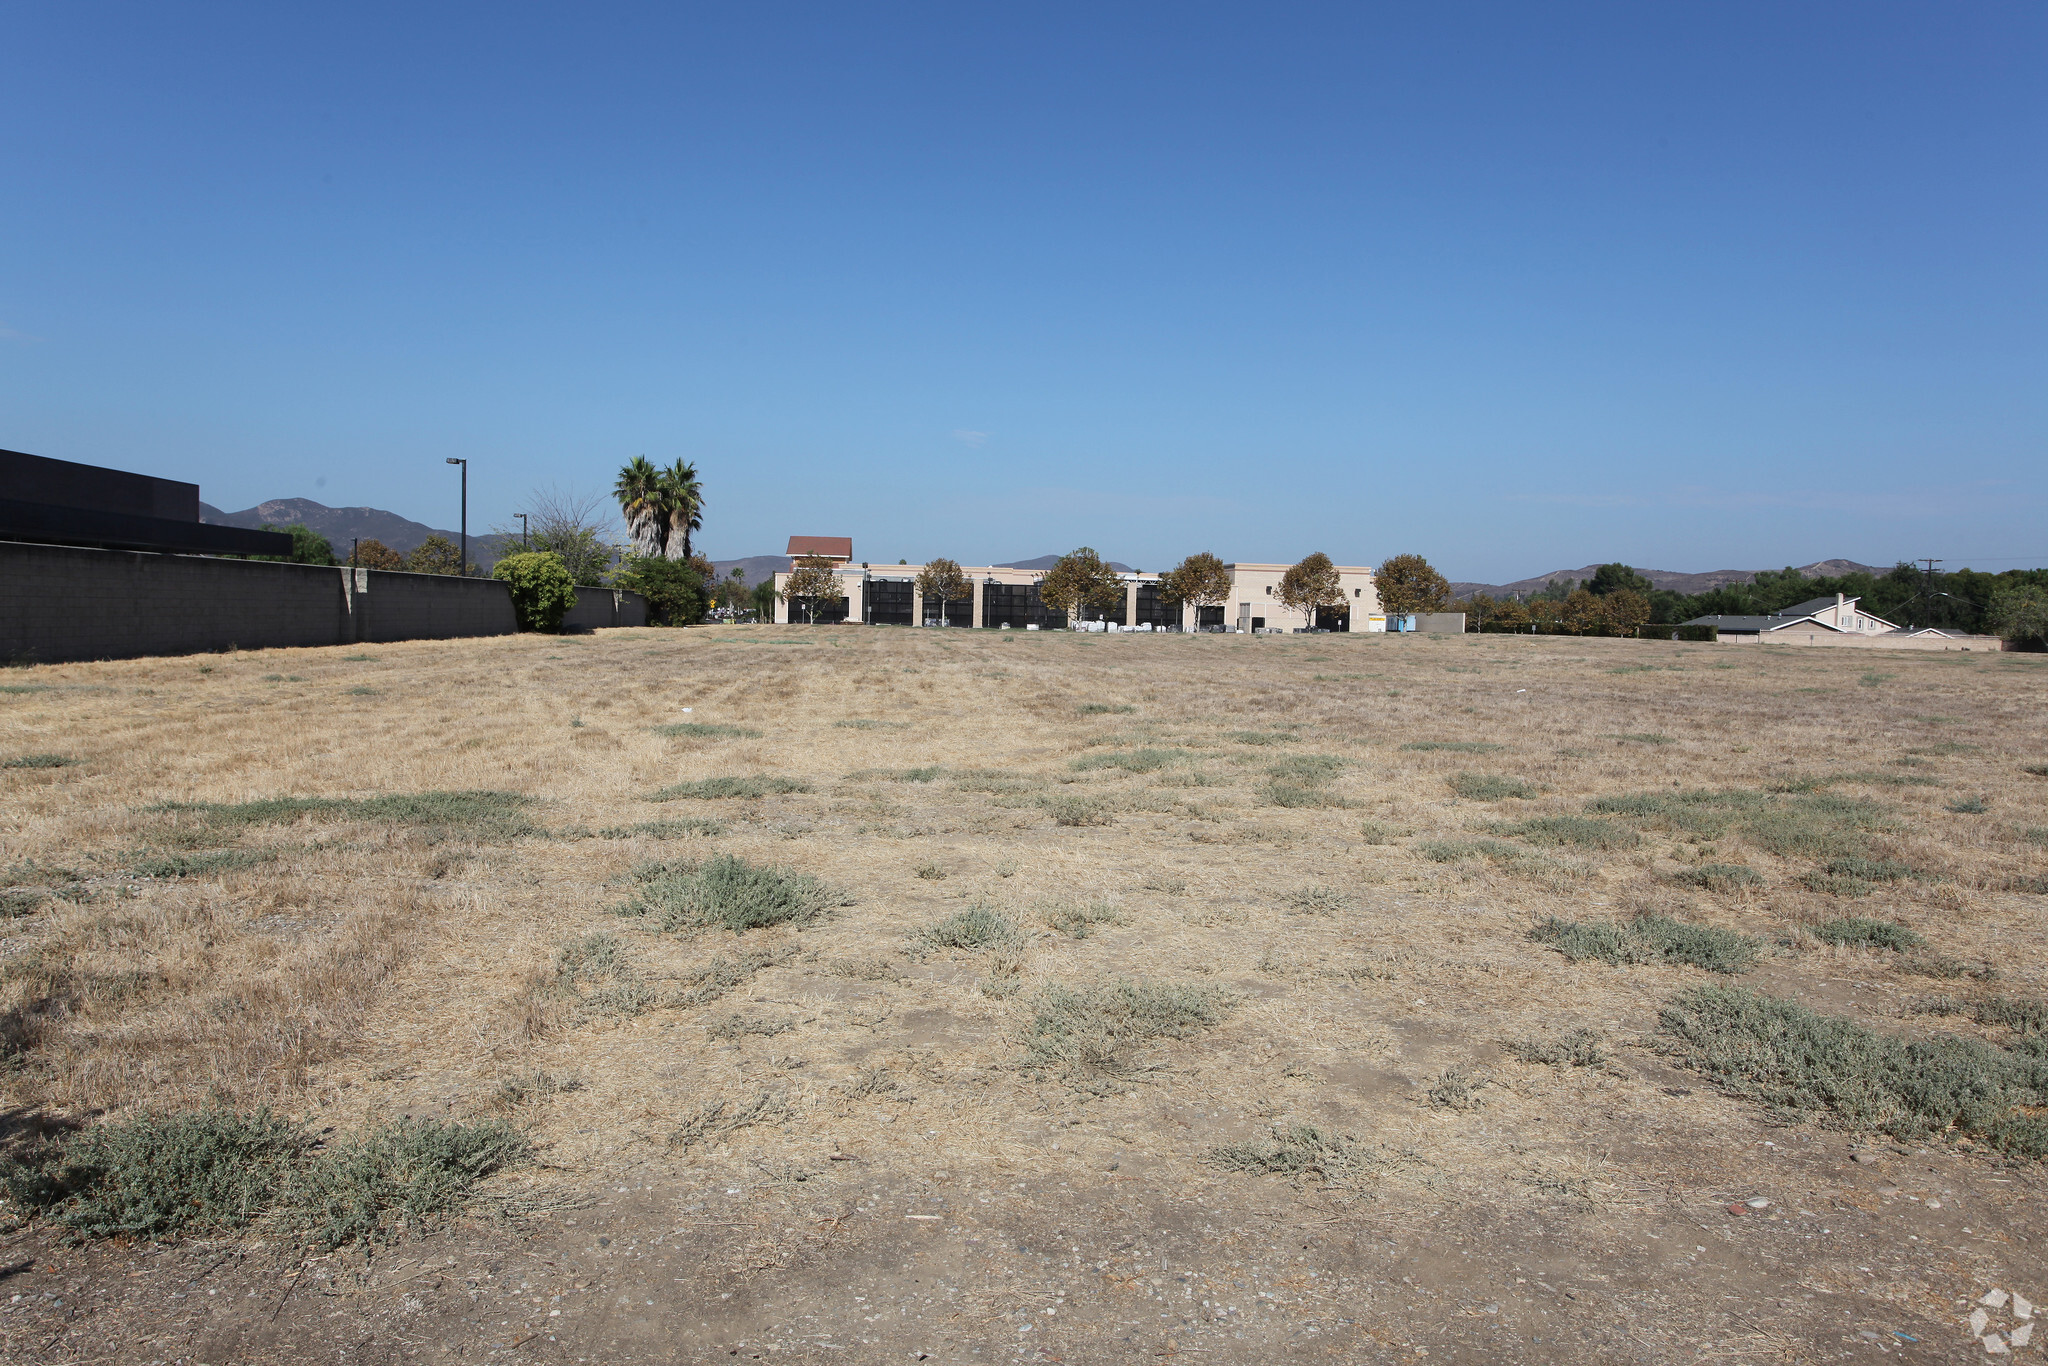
827 547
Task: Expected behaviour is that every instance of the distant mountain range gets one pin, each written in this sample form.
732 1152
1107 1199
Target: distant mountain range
1662 578
343 525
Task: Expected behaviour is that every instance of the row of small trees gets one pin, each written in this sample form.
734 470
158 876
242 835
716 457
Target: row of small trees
1081 582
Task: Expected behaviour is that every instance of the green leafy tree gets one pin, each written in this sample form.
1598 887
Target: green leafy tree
1201 580
1507 615
1582 613
731 591
435 555
1613 578
1079 581
2019 614
682 503
764 600
1311 584
308 546
942 581
674 591
1407 583
811 581
641 495
374 554
542 591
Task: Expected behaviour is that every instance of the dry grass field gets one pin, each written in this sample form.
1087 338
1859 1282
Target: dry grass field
869 995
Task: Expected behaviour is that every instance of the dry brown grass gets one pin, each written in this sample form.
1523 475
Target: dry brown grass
374 969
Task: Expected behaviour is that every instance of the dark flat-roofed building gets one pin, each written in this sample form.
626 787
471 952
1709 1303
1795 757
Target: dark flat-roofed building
62 502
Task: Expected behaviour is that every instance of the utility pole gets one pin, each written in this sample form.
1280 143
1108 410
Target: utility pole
1929 591
462 564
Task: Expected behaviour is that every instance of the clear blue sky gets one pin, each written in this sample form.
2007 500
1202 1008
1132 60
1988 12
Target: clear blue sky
1516 286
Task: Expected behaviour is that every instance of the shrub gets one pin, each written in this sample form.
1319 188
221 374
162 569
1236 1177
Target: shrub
1131 760
1582 831
542 591
1490 787
718 789
486 813
1969 806
1299 796
730 892
980 926
1450 851
1649 939
1876 934
1573 1048
705 730
663 830
1719 877
674 591
1803 1064
41 761
1066 809
1104 708
412 1172
1263 737
198 865
1099 1027
159 1174
1078 921
1320 900
1454 746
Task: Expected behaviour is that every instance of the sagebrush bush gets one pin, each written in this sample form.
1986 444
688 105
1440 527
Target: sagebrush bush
1876 934
718 789
1490 787
402 1176
1099 1027
1719 877
1649 939
979 926
1807 1065
729 892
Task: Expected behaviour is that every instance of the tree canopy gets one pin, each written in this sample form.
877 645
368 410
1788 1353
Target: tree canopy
1080 580
639 491
371 553
1614 578
810 582
1311 584
542 591
942 581
435 555
1407 583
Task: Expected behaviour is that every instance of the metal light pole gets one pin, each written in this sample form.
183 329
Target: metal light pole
462 565
522 531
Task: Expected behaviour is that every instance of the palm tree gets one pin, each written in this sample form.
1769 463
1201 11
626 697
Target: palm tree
640 492
682 498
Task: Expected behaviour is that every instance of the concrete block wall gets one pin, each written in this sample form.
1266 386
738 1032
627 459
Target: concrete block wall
601 607
61 603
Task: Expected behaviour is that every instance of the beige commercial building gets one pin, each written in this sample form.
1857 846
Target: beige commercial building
886 595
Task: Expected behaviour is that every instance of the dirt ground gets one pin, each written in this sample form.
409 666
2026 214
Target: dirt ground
848 1151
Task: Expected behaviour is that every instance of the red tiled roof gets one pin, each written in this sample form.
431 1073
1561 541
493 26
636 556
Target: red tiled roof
831 547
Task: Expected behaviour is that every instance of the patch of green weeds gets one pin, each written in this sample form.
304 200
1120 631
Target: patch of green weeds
1079 919
41 761
1945 748
163 1174
1453 746
2036 770
1969 806
1105 709
1573 1048
728 892
1649 939
664 830
1453 850
1818 825
727 788
1301 796
1874 679
996 781
200 865
1643 738
359 659
1490 787
1456 1088
1693 812
1101 1027
869 723
364 691
1146 760
1300 1152
1263 737
930 871
973 928
1377 832
1067 809
1806 1065
704 730
1874 934
487 814
1633 669
404 1176
1719 877
1581 831
23 689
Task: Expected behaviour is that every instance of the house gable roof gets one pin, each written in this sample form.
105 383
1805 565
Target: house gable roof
1811 606
831 547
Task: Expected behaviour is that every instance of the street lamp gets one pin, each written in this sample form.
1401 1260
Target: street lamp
522 531
462 565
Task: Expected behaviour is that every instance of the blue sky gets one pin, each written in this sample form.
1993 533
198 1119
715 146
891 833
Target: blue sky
1518 287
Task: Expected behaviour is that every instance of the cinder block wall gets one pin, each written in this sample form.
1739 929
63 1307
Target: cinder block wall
600 607
61 603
